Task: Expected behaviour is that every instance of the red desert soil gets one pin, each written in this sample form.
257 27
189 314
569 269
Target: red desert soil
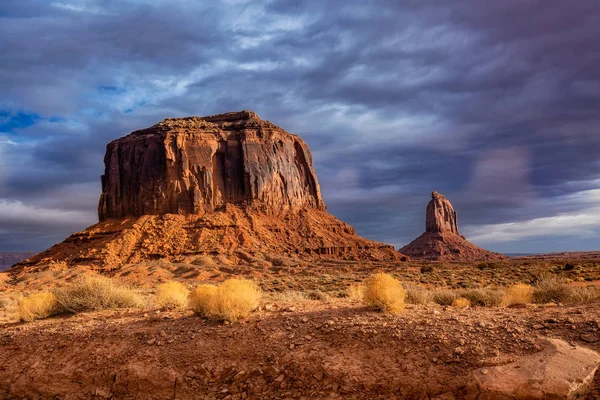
306 349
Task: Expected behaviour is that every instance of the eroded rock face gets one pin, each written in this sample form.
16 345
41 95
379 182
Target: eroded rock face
440 216
198 164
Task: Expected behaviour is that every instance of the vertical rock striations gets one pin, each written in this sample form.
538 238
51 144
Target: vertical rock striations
441 240
197 165
440 216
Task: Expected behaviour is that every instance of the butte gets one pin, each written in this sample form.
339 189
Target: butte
229 185
441 240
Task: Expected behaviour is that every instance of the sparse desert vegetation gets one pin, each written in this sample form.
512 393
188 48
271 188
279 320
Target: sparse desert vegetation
230 301
474 323
201 298
172 295
94 292
518 294
236 298
385 293
38 306
461 302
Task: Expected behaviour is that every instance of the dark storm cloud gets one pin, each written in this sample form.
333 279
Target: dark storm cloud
493 104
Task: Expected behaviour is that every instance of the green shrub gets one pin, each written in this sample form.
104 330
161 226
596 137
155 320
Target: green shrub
569 267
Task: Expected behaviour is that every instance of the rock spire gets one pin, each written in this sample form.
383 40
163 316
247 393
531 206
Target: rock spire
441 240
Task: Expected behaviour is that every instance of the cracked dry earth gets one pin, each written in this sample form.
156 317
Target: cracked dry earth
306 349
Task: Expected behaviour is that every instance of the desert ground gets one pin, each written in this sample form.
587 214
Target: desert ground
309 338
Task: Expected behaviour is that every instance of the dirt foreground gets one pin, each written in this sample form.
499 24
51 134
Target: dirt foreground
333 349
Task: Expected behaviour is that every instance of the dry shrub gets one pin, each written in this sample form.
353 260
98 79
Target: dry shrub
416 294
551 290
519 293
444 297
9 307
584 294
487 297
230 301
385 293
317 295
172 295
356 291
461 302
201 298
38 306
96 293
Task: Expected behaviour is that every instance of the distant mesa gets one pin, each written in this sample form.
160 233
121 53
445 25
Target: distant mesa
441 240
229 185
8 259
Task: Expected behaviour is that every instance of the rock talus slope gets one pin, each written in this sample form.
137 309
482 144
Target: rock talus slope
227 185
441 240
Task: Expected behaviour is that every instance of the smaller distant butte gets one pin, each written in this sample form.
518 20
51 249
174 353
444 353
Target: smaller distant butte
441 240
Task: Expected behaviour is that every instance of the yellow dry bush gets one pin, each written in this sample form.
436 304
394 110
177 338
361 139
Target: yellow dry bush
385 293
96 293
416 294
37 306
518 294
172 295
356 291
201 299
235 299
461 302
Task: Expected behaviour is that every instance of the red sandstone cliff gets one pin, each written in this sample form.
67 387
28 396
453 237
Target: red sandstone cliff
196 165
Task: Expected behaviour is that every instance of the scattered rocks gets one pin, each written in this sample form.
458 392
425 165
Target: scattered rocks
590 337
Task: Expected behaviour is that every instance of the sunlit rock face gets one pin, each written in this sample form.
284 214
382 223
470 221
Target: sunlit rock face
198 164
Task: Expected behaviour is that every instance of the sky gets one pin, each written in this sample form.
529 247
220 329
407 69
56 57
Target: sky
495 104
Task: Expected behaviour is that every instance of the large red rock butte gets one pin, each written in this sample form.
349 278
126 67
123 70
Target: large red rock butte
441 240
229 185
197 165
